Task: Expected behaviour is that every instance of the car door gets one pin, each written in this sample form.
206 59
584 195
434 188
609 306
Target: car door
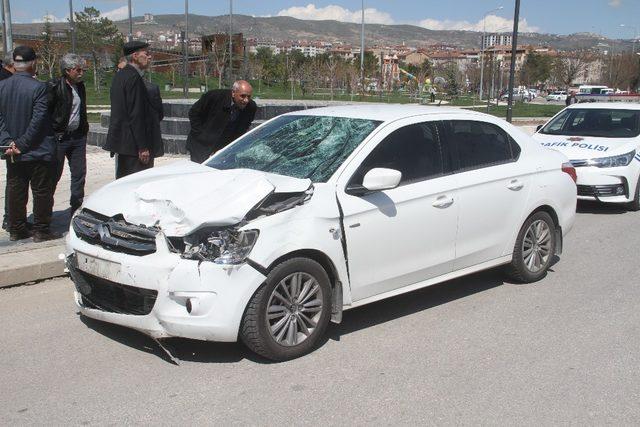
401 236
493 186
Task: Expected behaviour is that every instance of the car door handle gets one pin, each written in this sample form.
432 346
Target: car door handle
443 202
515 185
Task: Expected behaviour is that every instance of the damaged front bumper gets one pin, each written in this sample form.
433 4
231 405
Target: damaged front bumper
161 294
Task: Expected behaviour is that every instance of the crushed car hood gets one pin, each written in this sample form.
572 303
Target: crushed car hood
586 147
184 195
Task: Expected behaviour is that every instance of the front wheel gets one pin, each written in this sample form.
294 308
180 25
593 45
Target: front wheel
289 314
534 249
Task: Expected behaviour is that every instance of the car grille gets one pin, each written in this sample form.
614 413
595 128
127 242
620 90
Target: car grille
602 190
109 296
114 233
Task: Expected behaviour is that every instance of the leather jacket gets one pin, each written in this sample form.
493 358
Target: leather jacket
60 103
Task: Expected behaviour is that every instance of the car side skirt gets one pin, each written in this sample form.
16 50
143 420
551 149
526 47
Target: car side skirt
433 281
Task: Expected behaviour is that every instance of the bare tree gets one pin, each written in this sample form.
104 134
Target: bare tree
217 60
570 65
49 49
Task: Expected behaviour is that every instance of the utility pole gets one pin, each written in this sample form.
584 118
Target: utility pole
130 36
230 42
185 40
7 31
362 51
512 68
72 26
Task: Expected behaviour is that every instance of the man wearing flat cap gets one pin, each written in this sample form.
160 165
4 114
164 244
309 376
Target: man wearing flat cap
134 131
25 127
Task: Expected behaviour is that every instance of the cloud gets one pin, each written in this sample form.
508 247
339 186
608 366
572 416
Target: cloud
49 17
117 14
491 23
337 13
615 3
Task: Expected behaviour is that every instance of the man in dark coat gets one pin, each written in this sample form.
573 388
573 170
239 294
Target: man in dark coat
25 126
134 131
219 117
6 71
68 108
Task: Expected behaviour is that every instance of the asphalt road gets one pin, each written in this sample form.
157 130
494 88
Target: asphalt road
470 351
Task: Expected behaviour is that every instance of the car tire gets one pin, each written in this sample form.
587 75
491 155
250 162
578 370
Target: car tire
289 313
634 205
534 249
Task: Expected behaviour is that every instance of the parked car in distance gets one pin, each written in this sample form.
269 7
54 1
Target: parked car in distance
602 140
315 212
521 95
559 95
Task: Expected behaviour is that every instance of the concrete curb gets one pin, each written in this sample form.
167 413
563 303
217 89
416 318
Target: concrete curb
31 265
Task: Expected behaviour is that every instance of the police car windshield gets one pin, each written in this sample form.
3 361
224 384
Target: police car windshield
298 146
595 122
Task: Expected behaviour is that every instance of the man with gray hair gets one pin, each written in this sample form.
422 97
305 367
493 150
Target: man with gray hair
68 109
6 71
25 128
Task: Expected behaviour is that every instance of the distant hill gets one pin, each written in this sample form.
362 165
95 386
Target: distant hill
286 28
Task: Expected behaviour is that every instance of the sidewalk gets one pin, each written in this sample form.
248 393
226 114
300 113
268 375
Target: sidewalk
26 261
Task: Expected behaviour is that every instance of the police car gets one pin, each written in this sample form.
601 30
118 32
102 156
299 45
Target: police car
602 142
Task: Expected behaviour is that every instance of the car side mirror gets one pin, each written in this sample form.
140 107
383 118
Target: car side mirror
538 128
377 179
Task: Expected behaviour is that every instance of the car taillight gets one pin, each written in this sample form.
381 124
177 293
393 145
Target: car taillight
569 169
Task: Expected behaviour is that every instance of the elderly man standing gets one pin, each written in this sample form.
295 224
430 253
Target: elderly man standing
68 108
134 131
6 71
26 128
219 117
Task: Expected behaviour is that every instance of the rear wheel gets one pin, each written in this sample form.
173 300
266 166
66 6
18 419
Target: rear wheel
634 205
289 314
534 249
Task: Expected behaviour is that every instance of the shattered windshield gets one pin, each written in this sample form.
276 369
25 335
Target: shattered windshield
606 123
298 146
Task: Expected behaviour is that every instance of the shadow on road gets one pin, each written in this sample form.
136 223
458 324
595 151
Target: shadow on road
593 207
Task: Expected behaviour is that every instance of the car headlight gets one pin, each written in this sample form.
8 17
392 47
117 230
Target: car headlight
222 246
613 161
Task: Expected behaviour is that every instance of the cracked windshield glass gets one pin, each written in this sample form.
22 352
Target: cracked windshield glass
298 146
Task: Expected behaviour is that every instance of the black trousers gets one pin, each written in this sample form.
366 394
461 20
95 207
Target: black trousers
126 165
40 176
75 151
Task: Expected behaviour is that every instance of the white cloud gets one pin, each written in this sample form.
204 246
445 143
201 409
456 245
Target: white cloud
491 23
117 14
337 13
615 3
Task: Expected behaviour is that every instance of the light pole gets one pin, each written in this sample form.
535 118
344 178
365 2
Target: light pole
484 17
72 26
185 86
130 36
230 42
7 31
362 51
512 67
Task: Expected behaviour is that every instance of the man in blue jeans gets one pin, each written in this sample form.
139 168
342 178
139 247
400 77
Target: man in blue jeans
68 109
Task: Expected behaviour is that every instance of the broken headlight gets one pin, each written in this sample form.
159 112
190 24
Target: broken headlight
222 246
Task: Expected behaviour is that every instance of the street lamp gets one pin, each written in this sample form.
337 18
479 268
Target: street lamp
130 36
484 28
185 40
7 31
72 26
362 51
512 65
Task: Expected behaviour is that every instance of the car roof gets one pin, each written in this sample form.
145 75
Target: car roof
383 112
606 105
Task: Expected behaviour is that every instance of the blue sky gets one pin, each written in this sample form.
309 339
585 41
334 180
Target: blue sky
548 16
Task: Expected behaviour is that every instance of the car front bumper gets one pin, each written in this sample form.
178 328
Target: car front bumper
610 185
161 294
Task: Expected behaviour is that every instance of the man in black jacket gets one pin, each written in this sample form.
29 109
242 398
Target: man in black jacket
68 109
134 131
219 117
25 126
6 71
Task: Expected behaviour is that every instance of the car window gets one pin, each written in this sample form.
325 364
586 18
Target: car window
481 144
595 122
414 150
298 146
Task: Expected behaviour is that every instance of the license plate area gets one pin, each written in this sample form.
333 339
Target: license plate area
98 267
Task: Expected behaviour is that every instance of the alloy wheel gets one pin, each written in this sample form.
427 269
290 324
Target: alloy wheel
536 246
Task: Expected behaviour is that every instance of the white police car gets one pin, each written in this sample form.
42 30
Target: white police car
603 143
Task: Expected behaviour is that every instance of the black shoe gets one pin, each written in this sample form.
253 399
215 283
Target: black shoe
5 224
20 235
43 236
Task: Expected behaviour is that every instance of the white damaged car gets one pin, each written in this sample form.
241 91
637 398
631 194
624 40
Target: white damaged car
602 141
313 213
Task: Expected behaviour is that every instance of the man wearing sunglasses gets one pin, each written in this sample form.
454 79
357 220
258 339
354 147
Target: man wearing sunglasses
68 109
